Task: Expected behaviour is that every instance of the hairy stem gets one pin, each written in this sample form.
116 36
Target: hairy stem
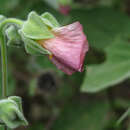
4 54
4 65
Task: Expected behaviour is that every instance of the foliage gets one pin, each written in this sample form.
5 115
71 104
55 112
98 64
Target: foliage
116 66
94 99
78 115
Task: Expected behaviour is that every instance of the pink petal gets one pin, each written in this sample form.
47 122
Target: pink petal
69 46
62 67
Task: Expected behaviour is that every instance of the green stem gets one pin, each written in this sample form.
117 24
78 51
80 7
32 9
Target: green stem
4 65
4 54
11 21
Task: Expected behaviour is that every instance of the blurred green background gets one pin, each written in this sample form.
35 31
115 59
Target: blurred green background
92 100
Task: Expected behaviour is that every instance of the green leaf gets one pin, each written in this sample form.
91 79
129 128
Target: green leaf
114 70
13 36
50 20
82 116
102 25
32 47
35 28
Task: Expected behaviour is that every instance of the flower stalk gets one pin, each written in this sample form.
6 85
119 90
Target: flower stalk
4 66
4 55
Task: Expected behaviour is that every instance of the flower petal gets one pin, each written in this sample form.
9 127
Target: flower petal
69 45
61 66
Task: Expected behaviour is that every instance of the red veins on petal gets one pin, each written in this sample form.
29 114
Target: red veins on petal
68 48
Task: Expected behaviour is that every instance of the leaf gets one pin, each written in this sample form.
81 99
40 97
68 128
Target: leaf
102 25
50 20
81 116
35 28
114 70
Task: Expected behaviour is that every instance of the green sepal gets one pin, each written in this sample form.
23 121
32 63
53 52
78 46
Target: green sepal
32 47
50 20
18 101
35 28
13 36
2 18
11 114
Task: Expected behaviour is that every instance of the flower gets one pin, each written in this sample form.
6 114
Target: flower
11 113
68 47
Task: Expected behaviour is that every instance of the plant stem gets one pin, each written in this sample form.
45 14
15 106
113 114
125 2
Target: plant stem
4 66
4 54
11 21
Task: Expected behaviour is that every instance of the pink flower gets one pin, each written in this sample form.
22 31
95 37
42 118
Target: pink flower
68 47
64 9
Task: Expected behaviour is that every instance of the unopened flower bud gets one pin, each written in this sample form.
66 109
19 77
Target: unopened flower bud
11 112
66 46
